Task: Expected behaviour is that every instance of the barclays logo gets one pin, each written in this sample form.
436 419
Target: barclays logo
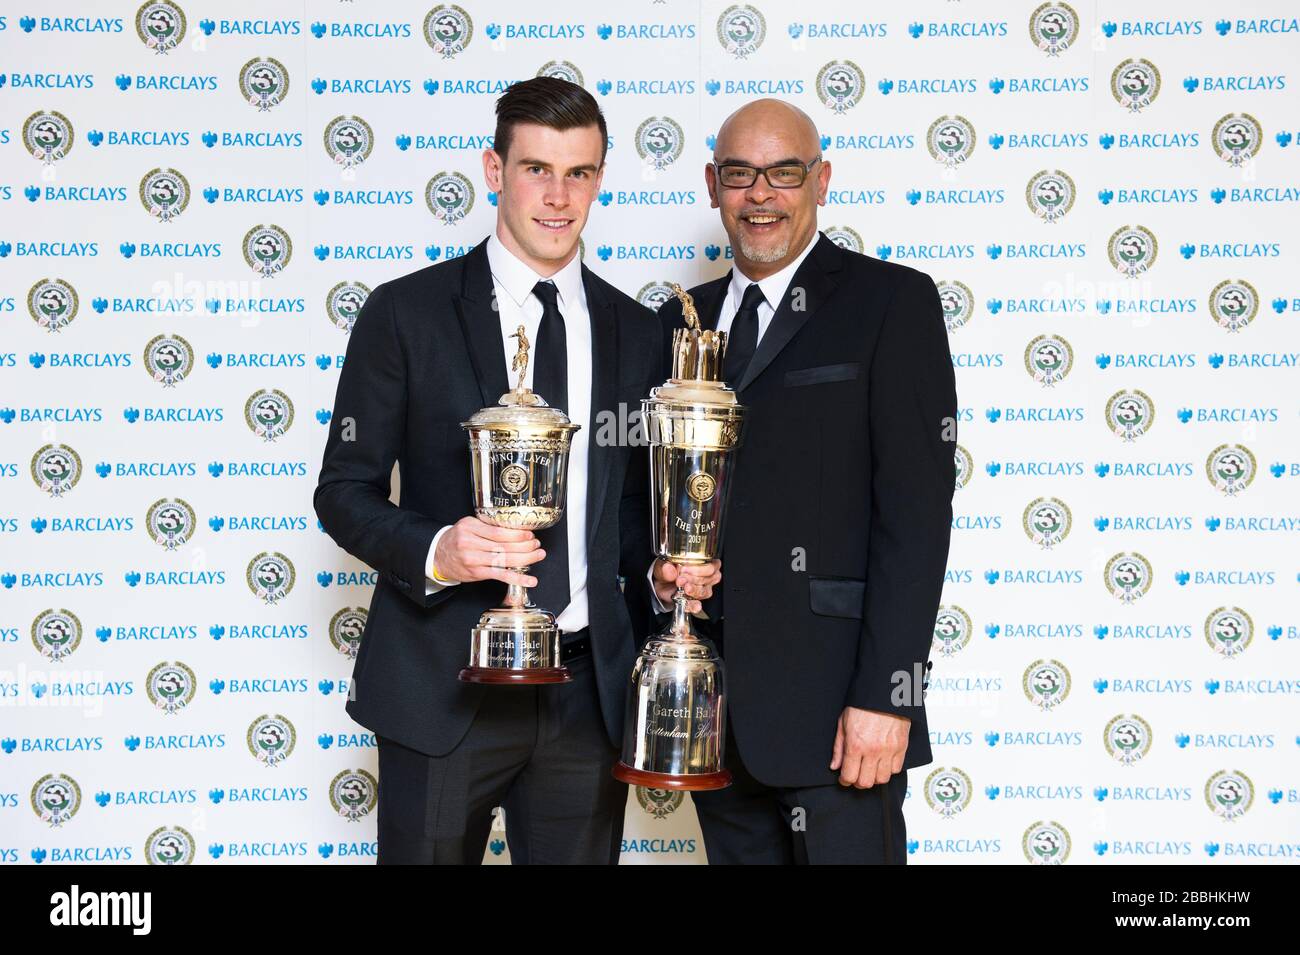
1144 522
657 197
149 632
257 685
812 30
965 359
76 193
29 24
977 522
1271 25
1241 83
251 27
371 30
258 850
1034 631
167 82
873 141
368 253
1036 414
1038 85
49 81
255 306
1066 140
1142 686
1034 791
656 87
1042 468
255 631
650 253
1143 793
53 579
147 797
265 469
368 86
250 139
927 86
955 197
1144 631
259 794
646 31
1177 360
933 250
49 250
1152 28
261 195
444 142
1225 740
1147 196
1257 194
1037 250
1166 140
1229 686
965 29
1034 575
468 87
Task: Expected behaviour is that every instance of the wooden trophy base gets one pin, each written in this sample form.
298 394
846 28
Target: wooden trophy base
501 677
677 782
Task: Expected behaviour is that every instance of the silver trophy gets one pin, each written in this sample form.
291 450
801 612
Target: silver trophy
674 737
519 456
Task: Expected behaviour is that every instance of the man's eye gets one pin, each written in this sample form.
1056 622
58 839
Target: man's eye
581 174
534 168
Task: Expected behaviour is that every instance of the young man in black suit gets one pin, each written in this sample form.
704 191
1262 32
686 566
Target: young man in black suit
427 350
838 530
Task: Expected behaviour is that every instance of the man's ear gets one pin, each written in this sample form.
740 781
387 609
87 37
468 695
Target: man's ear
710 180
492 166
823 181
600 175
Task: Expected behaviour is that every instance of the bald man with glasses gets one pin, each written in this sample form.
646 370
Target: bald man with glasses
841 510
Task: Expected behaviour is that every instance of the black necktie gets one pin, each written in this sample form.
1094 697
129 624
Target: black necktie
551 381
742 340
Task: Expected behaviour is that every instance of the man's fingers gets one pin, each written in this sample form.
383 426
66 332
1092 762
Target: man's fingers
849 771
490 546
500 534
837 750
511 577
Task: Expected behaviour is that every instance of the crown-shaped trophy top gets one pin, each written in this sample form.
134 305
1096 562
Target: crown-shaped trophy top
697 352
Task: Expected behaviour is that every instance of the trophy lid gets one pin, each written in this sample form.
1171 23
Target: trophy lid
520 407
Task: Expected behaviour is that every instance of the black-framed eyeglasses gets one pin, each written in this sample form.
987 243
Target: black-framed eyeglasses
741 175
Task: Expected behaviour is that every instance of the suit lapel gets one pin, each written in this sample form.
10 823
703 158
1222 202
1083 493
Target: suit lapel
605 367
816 277
481 325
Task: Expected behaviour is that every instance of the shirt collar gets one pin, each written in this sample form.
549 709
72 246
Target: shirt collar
518 278
775 285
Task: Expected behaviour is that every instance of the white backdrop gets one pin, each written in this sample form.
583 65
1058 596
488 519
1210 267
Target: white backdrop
1104 191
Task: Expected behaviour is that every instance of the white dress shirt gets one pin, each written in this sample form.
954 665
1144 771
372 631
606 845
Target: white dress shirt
774 288
513 281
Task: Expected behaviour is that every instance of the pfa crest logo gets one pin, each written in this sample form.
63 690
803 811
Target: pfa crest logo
353 794
965 465
1050 194
840 85
56 634
270 576
1233 303
654 294
1053 27
845 237
343 304
561 70
56 469
268 413
660 803
1128 738
1046 684
951 140
348 140
271 739
1048 359
1236 138
958 303
450 197
1127 576
1046 521
448 30
1230 468
170 687
160 25
952 630
1046 843
346 629
948 791
267 250
1229 794
741 30
52 304
659 141
1130 413
168 359
1228 631
1135 84
164 193
56 798
47 135
263 82
1132 250
169 845
170 522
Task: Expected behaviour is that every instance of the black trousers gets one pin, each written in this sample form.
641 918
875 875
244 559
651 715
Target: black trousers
749 823
541 752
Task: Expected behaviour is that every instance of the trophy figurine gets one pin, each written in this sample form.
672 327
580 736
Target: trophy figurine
519 456
674 735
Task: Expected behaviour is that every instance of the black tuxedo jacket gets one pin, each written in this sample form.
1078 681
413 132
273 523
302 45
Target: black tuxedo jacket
425 353
836 538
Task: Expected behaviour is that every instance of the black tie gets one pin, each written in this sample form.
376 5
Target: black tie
742 340
551 381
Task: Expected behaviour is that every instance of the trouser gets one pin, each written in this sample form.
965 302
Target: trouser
749 823
541 752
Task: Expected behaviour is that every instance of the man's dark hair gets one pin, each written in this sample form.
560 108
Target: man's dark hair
546 101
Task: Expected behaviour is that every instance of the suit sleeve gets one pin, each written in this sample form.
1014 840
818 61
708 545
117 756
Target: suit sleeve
912 413
635 555
366 435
